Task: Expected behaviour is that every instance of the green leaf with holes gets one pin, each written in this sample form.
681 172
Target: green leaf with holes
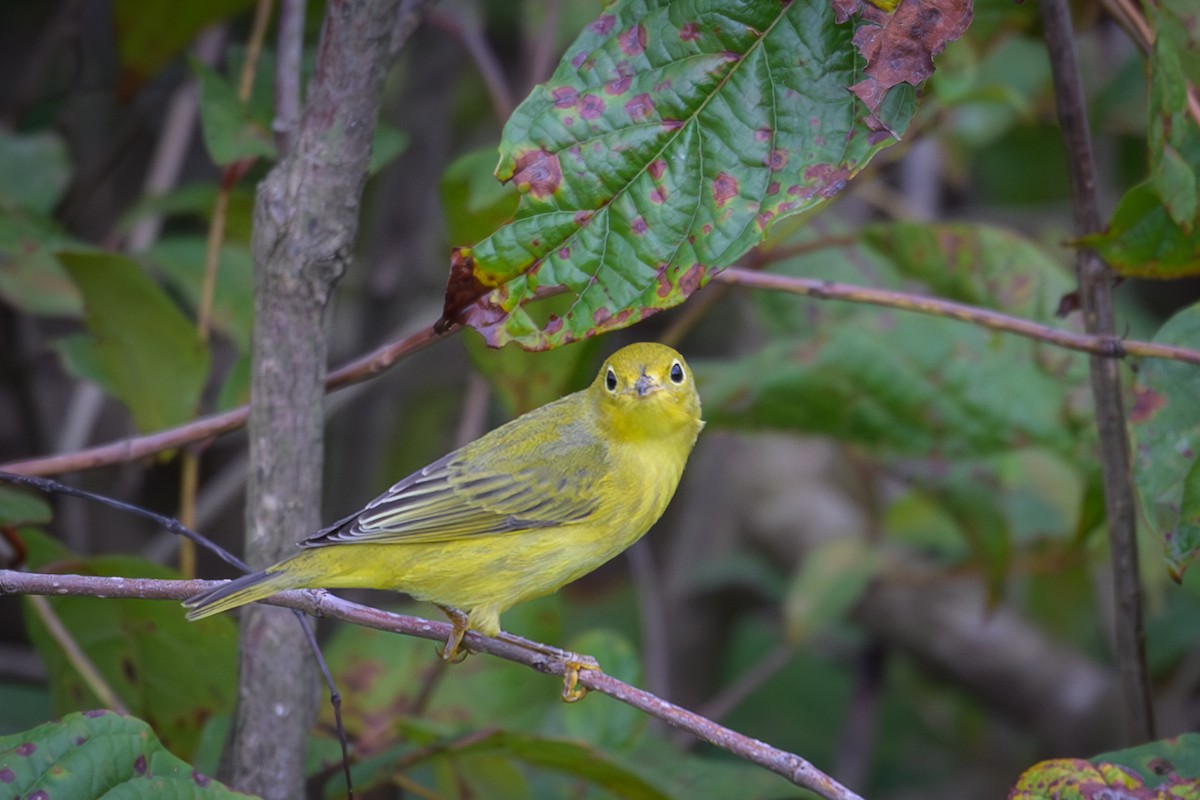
98 754
671 137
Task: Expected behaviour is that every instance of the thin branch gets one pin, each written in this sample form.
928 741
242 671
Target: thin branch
1129 14
1104 345
321 603
380 360
469 34
750 681
75 655
1095 290
135 447
290 49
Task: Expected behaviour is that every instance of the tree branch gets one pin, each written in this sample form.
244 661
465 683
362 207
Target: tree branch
1102 344
1095 291
321 603
135 447
305 222
378 361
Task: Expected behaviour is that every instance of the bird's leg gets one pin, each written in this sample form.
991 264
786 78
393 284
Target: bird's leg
450 652
572 663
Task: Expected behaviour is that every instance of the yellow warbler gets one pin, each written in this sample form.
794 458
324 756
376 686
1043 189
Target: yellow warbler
516 514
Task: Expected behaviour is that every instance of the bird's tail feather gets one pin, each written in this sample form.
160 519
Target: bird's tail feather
239 592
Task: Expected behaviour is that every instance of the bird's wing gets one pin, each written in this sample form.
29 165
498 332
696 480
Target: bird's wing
474 492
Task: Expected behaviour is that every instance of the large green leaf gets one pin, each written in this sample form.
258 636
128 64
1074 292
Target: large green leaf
670 138
180 259
98 754
1173 763
905 383
173 673
1164 424
142 349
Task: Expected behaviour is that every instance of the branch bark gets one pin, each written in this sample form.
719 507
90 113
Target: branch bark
305 222
1095 293
319 602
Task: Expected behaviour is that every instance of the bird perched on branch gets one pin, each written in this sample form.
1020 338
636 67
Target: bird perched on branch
515 514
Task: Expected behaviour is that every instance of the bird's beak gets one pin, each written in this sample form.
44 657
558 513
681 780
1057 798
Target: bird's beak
644 385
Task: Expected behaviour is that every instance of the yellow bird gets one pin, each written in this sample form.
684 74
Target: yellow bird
515 514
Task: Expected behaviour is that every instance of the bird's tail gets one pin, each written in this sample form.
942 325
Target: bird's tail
239 592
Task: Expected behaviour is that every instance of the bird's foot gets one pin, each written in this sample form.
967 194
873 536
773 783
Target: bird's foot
573 664
453 652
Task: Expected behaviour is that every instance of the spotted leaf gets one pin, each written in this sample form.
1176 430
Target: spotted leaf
670 138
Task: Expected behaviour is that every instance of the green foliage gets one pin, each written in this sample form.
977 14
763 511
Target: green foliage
1143 241
172 673
673 137
19 507
501 729
33 173
1165 428
99 754
665 146
141 348
904 383
232 131
829 583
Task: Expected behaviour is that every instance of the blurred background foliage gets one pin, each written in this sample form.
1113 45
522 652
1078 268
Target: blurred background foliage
888 553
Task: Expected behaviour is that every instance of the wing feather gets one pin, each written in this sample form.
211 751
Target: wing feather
499 484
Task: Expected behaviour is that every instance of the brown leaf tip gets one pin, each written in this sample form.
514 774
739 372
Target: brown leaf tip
463 287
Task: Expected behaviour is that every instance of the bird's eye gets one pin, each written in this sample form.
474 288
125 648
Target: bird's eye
610 380
677 373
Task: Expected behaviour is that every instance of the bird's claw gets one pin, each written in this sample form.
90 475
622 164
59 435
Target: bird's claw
453 655
572 692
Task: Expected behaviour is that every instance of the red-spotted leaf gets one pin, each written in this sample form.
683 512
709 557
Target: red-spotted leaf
1076 779
99 754
899 41
669 139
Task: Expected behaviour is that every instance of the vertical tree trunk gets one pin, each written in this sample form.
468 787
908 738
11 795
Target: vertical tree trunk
305 220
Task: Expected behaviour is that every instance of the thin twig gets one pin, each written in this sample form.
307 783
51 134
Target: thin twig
75 655
750 681
321 603
290 52
1095 291
135 447
176 527
470 36
1107 346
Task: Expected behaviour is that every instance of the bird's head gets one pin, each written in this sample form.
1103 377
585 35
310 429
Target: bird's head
647 390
